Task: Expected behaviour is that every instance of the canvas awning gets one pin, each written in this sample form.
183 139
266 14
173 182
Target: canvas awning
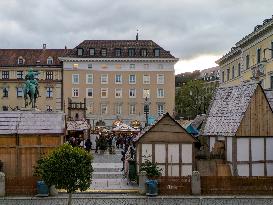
77 125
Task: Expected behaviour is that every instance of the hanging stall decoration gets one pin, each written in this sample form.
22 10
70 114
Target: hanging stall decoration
100 127
117 123
136 124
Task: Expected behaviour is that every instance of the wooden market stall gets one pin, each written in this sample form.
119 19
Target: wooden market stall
241 117
27 135
169 145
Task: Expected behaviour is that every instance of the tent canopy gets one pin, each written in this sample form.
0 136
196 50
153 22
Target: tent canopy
124 128
77 125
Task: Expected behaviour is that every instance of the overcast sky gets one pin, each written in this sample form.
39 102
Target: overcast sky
196 31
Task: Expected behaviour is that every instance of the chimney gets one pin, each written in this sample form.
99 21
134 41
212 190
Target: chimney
65 47
44 46
137 36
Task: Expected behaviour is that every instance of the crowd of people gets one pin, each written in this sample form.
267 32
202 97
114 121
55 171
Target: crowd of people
112 142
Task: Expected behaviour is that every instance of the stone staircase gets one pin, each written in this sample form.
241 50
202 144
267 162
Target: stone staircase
107 173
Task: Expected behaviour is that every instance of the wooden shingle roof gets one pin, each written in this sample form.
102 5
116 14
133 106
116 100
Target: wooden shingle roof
27 122
227 109
269 96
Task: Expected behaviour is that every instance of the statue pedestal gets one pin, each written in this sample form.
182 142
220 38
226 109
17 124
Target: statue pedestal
30 109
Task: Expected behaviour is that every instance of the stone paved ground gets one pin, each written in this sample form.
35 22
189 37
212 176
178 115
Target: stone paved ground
89 199
107 173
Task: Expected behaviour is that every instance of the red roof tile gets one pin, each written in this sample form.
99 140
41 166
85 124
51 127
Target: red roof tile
9 57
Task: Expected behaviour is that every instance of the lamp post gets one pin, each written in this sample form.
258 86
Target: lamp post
260 70
146 110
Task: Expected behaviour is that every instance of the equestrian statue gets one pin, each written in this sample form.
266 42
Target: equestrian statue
31 88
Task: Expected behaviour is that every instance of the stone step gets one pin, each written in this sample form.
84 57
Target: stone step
107 175
102 169
107 165
111 184
107 159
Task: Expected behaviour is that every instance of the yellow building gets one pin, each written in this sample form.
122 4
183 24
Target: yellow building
14 64
250 59
110 79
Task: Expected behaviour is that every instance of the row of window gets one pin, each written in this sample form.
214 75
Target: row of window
132 109
20 75
233 73
118 93
118 52
21 61
118 79
20 93
118 66
258 56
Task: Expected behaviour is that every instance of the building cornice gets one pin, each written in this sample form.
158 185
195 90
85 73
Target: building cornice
69 59
255 33
234 51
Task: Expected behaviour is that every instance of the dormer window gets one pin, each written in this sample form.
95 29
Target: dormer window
92 51
143 52
103 52
49 60
117 52
157 52
20 61
80 51
131 52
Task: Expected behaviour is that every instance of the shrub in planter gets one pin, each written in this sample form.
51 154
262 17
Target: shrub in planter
151 169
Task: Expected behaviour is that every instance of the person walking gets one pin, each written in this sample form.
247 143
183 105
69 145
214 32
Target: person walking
88 145
114 141
97 144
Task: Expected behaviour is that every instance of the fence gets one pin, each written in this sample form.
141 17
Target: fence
236 185
21 185
174 185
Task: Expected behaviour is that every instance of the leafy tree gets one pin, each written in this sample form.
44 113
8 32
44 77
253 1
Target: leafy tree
67 168
193 98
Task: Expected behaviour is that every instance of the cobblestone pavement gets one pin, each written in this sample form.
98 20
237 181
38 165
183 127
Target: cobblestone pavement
89 199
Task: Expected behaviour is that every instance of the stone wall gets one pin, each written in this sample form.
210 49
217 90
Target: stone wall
93 199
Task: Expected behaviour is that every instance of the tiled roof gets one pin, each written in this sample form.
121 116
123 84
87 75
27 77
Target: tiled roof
27 122
9 57
227 109
124 45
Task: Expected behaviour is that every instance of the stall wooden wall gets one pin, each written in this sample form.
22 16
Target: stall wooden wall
258 119
19 153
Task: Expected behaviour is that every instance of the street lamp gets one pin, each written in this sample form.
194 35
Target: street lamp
260 70
146 110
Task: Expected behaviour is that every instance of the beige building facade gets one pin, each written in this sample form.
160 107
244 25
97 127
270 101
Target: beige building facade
112 78
251 59
15 63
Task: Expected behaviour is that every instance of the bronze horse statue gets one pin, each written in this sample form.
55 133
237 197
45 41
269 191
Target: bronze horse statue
31 92
31 88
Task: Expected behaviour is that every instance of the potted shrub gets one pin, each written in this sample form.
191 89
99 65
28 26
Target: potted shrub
153 171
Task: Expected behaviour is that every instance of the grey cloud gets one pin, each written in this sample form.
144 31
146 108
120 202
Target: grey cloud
188 28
